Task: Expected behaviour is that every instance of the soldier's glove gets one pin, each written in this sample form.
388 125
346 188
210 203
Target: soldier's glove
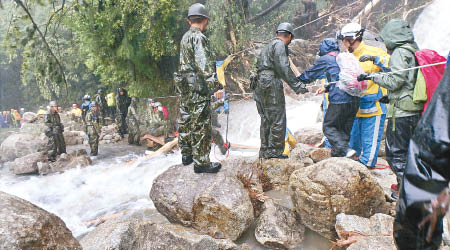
364 77
384 99
365 58
302 89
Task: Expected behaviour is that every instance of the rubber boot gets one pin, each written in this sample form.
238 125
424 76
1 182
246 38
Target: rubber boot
187 160
211 168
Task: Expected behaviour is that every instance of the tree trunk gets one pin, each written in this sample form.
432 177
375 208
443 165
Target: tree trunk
267 11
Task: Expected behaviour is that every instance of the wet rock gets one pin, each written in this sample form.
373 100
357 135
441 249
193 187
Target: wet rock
74 137
320 154
65 162
446 234
216 204
278 227
309 136
138 233
29 117
278 171
301 151
18 145
27 164
376 225
335 185
26 226
35 128
374 243
308 161
109 134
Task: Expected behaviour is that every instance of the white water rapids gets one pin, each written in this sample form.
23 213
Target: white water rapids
110 185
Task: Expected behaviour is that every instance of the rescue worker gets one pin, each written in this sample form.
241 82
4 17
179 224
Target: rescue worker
111 102
3 120
342 107
403 113
75 113
368 126
41 112
100 99
122 103
196 81
93 129
85 106
273 65
424 195
56 144
134 134
15 118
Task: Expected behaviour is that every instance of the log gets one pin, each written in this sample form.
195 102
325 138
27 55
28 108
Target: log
240 146
294 68
159 140
102 219
366 10
267 11
164 149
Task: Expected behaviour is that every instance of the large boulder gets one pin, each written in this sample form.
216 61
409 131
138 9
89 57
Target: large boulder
26 226
144 233
27 164
18 145
77 158
375 232
309 136
35 128
29 117
277 171
278 227
335 185
217 204
74 137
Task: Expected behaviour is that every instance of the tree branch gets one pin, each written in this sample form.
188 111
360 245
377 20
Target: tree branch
267 11
21 4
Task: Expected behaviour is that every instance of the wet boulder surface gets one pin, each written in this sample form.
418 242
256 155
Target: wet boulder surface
26 226
215 204
336 185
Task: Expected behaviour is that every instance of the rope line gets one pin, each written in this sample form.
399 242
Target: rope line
334 82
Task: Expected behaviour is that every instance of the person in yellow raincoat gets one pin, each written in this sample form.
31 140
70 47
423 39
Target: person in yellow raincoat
369 123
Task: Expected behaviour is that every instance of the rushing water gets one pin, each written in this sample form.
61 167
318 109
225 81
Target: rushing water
112 185
432 27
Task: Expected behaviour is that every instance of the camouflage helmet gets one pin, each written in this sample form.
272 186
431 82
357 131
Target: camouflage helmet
198 9
52 104
285 27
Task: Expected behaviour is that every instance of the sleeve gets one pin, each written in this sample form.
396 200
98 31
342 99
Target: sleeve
398 61
382 62
283 68
47 121
315 72
205 66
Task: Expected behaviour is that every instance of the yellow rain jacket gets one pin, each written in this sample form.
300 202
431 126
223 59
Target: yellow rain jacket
111 99
76 112
369 105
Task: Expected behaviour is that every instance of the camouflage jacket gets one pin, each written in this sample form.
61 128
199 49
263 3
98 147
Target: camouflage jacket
275 58
132 115
155 119
197 67
93 119
101 100
53 123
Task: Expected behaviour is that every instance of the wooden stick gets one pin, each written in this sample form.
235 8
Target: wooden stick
159 140
164 149
294 68
102 219
240 146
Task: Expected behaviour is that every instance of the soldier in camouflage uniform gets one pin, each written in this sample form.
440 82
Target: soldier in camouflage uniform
134 134
196 81
122 103
273 65
93 127
101 102
56 144
215 133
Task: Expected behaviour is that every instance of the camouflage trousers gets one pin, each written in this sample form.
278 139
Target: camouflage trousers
55 146
93 139
121 123
134 134
218 140
194 129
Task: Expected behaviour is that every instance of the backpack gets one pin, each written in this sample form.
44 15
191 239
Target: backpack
428 78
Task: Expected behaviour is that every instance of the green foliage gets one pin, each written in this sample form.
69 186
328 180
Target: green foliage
125 42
